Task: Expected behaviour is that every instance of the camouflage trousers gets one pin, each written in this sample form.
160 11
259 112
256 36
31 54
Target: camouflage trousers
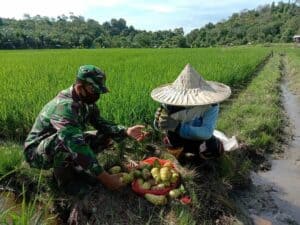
50 153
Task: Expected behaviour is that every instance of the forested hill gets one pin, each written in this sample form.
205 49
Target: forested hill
269 23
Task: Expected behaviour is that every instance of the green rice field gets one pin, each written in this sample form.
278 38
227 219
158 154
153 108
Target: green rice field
30 78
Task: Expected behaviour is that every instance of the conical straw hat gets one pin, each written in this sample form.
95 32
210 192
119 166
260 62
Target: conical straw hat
190 89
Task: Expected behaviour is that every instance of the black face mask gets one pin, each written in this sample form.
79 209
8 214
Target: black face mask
89 98
173 109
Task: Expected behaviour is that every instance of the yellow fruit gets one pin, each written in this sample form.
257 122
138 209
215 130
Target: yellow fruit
115 169
174 177
156 199
157 179
165 174
173 171
155 172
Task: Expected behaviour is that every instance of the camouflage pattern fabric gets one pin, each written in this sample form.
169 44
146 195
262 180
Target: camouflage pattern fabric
57 137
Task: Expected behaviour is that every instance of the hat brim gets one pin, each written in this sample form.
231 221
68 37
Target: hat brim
171 95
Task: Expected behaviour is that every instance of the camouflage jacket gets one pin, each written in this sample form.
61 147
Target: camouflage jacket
67 117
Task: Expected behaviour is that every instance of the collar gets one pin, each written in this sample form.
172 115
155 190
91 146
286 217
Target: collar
74 95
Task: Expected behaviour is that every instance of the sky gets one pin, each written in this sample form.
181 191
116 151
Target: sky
142 14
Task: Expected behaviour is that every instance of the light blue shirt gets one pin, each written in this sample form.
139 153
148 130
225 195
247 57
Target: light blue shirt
201 128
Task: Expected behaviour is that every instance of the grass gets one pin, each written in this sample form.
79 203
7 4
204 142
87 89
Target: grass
17 209
11 157
292 63
255 117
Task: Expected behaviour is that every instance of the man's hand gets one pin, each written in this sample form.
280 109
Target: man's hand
166 122
112 182
136 132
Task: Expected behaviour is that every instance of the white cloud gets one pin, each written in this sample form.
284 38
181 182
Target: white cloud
53 8
159 8
152 7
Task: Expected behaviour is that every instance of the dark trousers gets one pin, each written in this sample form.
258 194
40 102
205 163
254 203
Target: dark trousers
213 147
69 176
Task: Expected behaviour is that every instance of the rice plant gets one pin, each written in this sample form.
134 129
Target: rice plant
29 79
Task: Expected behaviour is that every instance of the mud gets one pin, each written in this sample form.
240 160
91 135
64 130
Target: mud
274 196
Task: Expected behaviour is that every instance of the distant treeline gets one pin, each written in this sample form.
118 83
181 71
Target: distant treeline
269 23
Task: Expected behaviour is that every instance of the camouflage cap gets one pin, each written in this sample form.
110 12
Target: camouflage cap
93 75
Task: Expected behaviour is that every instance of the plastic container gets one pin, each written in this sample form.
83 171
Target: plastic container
140 191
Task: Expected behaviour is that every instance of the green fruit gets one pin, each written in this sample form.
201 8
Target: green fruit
146 174
131 173
182 189
146 185
140 181
175 193
152 181
127 178
166 183
156 199
137 173
115 169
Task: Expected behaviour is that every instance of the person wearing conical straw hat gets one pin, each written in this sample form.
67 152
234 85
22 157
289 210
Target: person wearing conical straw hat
188 114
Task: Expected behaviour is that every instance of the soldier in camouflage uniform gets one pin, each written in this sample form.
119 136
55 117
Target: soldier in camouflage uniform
58 139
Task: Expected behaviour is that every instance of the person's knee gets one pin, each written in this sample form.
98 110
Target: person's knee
63 175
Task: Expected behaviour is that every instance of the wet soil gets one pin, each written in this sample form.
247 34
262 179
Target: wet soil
274 196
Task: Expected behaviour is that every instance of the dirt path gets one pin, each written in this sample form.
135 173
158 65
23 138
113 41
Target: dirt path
274 197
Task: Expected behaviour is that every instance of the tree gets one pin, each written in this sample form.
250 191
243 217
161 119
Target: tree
142 40
267 23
